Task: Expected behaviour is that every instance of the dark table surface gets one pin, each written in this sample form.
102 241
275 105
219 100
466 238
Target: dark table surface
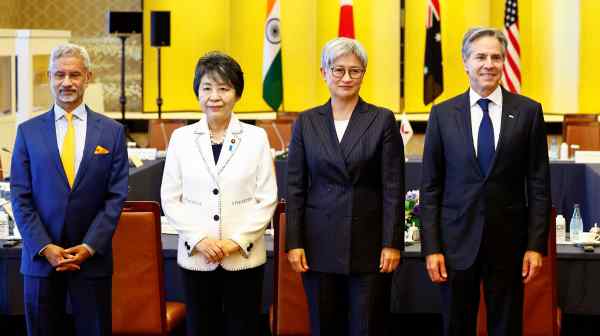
412 291
578 275
578 272
144 182
570 183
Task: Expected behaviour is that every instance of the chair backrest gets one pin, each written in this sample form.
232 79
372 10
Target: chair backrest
279 131
540 307
290 310
138 305
583 130
159 132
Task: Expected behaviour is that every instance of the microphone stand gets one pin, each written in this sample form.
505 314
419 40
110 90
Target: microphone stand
123 98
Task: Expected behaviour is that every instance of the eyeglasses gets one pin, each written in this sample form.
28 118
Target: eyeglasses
339 72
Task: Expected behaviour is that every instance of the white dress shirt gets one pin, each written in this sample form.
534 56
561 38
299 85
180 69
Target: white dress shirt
340 128
495 110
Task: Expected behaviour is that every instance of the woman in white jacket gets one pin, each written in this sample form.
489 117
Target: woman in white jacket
219 192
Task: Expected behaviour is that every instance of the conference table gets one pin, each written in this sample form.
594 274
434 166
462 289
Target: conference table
412 292
578 271
570 183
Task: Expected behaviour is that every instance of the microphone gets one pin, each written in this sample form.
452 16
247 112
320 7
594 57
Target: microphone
279 137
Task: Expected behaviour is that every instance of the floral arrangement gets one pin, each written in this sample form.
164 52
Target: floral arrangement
412 209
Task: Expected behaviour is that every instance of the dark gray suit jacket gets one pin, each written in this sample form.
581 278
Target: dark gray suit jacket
345 200
507 211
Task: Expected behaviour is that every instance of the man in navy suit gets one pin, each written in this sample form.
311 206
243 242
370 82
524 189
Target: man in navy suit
68 184
485 193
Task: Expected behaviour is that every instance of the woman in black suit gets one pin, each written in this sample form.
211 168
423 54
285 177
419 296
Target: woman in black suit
345 215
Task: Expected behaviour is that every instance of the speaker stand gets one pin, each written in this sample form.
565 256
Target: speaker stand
123 98
159 100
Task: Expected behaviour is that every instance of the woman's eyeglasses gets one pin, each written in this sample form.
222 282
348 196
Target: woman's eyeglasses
339 72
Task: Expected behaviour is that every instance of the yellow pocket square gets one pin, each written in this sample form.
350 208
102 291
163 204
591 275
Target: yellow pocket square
101 150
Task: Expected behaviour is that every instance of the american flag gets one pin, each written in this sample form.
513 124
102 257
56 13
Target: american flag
512 64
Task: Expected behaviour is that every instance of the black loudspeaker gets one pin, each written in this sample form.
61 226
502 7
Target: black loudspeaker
160 29
124 22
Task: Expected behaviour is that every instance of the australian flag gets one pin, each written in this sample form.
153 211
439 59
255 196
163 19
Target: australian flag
433 77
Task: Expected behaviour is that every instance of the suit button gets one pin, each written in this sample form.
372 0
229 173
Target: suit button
215 191
216 217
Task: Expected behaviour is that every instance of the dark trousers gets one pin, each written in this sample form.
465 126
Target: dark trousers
355 304
503 294
223 302
46 304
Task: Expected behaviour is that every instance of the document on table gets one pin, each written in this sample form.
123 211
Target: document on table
9 233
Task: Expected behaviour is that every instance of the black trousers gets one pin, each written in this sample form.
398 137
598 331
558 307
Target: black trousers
223 302
355 304
503 294
46 304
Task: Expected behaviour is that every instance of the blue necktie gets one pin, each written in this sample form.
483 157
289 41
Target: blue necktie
485 138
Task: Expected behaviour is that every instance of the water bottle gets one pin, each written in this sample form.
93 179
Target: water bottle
553 152
564 151
576 225
561 228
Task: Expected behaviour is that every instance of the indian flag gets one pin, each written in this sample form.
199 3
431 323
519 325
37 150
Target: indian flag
272 78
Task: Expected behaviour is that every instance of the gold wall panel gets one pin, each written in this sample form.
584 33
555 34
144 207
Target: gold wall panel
86 21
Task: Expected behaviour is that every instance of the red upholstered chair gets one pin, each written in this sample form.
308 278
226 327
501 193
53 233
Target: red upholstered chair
289 313
541 315
138 295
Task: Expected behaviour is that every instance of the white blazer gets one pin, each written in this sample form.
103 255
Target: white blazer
234 199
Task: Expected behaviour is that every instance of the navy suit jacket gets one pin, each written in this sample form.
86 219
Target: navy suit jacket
48 211
507 211
345 200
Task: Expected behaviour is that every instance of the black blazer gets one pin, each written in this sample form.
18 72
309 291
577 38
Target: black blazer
345 200
505 212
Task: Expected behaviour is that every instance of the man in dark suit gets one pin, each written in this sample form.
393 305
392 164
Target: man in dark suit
485 193
68 184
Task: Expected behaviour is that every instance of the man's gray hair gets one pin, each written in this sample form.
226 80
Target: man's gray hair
339 47
70 50
474 34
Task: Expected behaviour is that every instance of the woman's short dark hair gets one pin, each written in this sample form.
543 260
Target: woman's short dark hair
224 67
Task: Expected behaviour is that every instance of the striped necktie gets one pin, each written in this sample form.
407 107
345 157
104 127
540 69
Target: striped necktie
67 155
